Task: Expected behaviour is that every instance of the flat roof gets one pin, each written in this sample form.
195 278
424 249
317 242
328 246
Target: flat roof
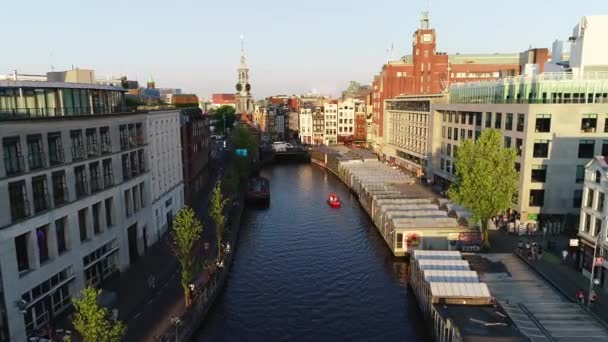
68 85
453 265
481 323
448 276
459 290
421 254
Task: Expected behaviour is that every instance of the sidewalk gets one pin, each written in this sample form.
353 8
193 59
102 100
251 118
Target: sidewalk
564 277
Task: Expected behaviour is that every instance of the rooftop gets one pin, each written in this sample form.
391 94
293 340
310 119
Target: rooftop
57 85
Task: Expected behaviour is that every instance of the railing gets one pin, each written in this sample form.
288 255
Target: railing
14 165
124 141
20 210
106 147
95 184
60 195
37 160
126 172
92 149
108 180
42 202
58 157
81 189
78 152
33 113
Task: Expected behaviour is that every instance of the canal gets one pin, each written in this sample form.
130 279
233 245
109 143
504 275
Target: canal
305 271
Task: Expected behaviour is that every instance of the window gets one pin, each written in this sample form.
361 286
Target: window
600 201
507 142
106 144
462 134
471 118
543 123
36 156
498 121
13 159
577 198
477 119
520 122
62 242
509 121
40 194
126 166
78 150
442 164
470 134
590 195
517 166
598 177
82 224
109 204
399 241
580 173
108 174
124 137
20 206
449 132
21 247
455 152
586 148
449 150
598 226
448 167
81 181
586 223
96 222
589 123
541 149
606 125
55 149
92 143
43 243
95 177
455 134
605 148
488 120
539 173
537 198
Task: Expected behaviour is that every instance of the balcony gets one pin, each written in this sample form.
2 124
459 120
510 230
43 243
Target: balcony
106 147
124 141
14 165
57 158
139 139
37 160
60 195
93 149
126 172
42 202
108 181
96 184
78 152
81 189
20 210
34 113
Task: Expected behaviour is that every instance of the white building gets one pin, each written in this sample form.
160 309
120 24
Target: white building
306 125
330 123
77 190
593 219
165 160
346 118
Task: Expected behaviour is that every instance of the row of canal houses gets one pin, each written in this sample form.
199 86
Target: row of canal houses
407 214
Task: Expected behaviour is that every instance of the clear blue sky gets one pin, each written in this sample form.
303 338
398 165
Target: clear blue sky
292 46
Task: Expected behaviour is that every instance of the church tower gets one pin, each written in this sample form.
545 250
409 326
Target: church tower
244 101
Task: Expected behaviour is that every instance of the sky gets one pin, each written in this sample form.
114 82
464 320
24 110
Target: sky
291 46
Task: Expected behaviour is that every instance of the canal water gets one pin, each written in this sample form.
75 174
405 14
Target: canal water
306 272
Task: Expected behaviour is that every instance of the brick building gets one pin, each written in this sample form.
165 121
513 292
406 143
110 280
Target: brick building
194 126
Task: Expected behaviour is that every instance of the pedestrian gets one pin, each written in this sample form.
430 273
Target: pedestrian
580 296
527 246
534 251
520 246
592 298
564 256
151 281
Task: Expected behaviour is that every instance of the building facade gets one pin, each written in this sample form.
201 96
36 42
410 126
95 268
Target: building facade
330 132
556 122
346 119
306 125
76 181
592 228
243 99
318 126
195 133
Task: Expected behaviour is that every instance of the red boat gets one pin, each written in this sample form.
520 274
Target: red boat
334 201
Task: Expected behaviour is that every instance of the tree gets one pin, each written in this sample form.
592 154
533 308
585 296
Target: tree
92 320
242 138
224 115
187 229
486 179
216 211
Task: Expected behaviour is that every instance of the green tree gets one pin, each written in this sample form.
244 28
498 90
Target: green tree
486 179
92 320
242 138
216 211
187 229
224 115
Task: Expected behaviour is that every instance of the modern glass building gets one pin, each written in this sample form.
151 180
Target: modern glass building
29 99
547 88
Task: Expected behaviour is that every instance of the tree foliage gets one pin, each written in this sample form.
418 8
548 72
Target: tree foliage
92 321
486 179
216 212
187 229
242 138
227 113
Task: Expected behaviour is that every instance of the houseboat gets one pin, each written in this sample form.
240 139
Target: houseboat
258 191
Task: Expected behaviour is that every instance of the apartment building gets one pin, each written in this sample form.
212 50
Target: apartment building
406 122
318 126
592 228
556 122
195 133
306 126
330 131
346 119
76 181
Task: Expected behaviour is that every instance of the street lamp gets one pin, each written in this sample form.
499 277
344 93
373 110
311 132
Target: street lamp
597 240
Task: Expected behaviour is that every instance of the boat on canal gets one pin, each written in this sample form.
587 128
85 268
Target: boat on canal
334 201
258 191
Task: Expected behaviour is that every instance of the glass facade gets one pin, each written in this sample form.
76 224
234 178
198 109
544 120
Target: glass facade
544 88
16 102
